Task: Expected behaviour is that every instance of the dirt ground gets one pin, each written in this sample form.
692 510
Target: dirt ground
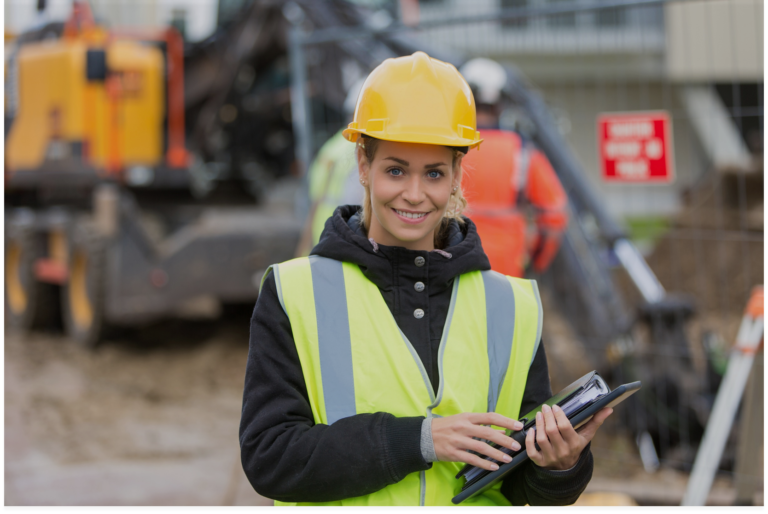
151 418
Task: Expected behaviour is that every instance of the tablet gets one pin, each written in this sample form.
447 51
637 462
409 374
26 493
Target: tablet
488 478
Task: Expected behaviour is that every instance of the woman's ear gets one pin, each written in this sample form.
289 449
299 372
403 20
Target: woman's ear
458 171
363 166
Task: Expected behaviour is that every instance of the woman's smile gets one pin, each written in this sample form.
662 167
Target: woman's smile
411 216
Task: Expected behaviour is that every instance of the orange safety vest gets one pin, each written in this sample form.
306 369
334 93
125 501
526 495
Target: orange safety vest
496 178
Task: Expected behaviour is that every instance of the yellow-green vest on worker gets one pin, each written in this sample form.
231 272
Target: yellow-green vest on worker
355 359
328 177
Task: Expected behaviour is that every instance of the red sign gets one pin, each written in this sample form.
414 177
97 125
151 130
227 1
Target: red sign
635 147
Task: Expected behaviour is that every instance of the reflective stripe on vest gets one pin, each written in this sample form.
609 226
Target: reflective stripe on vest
355 359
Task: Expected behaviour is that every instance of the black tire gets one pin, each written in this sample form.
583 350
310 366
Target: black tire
29 303
82 297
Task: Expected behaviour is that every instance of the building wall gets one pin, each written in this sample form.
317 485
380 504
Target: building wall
576 107
630 30
715 40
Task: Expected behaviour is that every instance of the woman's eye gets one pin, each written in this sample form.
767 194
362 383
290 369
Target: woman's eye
395 172
435 174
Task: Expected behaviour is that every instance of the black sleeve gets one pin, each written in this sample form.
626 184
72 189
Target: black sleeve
285 455
530 484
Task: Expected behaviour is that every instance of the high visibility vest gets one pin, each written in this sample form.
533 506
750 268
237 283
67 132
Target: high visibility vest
492 184
355 359
506 173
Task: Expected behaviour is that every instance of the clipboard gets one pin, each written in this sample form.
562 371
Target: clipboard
487 478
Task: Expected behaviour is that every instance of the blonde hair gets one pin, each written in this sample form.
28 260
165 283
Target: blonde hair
456 206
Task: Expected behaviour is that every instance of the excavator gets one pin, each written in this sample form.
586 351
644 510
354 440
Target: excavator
113 216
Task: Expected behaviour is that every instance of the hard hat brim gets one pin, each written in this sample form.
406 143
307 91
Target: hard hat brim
352 134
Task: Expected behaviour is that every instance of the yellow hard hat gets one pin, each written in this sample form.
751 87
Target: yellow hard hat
416 99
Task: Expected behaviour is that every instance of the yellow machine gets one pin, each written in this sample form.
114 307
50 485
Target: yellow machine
96 98
96 146
8 39
67 107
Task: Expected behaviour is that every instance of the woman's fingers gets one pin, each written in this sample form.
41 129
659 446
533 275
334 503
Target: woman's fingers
474 460
530 447
486 449
567 432
553 430
492 418
541 434
497 437
554 444
450 435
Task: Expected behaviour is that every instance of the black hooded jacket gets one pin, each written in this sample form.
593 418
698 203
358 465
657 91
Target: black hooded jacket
287 457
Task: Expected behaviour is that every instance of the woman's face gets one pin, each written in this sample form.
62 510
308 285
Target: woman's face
410 186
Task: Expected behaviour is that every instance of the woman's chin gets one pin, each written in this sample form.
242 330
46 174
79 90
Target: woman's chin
411 233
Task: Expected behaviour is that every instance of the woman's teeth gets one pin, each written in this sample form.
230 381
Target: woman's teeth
412 215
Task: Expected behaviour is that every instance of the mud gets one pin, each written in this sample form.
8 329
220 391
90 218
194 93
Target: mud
149 418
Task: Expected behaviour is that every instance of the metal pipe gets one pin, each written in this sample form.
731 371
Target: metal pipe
301 112
639 271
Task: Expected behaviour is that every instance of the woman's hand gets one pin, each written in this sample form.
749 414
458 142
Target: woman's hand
453 436
560 444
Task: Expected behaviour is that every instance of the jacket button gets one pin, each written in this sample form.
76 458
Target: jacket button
418 314
419 261
419 286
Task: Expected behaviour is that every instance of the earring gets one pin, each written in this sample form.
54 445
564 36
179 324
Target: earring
362 182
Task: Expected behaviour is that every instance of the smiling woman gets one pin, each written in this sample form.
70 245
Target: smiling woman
412 191
378 364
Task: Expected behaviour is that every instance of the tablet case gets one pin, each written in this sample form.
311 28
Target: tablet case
529 420
487 478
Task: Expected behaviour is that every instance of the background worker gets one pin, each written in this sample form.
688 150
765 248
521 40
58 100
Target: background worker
332 178
368 375
508 181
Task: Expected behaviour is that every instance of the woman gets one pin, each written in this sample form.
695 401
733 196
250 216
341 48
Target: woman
377 362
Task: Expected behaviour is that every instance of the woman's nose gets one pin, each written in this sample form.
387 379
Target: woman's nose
413 193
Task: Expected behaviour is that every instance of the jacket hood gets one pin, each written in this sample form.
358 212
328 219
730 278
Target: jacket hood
344 239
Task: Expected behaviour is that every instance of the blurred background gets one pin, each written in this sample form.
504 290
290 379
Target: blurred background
156 158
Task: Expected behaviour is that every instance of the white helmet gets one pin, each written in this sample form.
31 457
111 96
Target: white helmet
487 79
350 102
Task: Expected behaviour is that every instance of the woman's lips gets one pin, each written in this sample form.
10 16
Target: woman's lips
410 217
